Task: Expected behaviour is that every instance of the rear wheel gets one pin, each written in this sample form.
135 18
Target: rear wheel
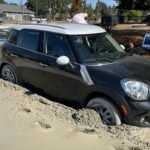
107 111
8 74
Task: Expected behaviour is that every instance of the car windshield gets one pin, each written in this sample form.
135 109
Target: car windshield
97 47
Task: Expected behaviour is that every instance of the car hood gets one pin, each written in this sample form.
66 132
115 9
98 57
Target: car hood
134 67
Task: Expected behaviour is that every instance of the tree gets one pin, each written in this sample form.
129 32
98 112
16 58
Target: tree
100 8
48 8
133 4
133 15
142 4
38 6
13 4
2 2
84 5
58 6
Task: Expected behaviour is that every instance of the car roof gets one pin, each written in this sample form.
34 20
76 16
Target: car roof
144 44
147 34
64 28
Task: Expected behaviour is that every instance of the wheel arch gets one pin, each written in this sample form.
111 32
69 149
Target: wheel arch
19 78
98 94
106 96
2 65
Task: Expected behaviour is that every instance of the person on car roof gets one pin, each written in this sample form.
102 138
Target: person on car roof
78 17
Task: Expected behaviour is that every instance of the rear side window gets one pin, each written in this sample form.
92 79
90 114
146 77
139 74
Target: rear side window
13 37
28 40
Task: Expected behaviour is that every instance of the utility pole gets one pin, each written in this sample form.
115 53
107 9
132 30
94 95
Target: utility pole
21 4
21 8
36 5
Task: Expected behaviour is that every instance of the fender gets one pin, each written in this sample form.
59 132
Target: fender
106 92
6 61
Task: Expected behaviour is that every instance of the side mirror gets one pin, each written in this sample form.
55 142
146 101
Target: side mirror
123 47
63 60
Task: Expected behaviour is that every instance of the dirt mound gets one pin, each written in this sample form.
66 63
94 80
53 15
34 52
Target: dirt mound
137 40
30 110
126 36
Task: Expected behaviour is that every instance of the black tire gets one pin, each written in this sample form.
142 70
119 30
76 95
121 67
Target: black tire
7 73
107 111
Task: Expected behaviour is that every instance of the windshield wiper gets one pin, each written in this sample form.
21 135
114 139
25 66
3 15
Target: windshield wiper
99 59
105 59
123 55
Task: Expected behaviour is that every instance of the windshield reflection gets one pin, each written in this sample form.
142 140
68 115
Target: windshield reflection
97 47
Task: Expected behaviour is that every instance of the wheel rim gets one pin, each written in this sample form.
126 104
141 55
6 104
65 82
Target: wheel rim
105 114
7 74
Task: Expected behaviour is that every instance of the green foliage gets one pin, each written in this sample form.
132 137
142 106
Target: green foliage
13 4
134 4
2 2
52 8
101 7
37 5
133 15
47 7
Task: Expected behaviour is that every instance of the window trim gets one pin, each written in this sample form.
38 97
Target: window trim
39 44
42 51
44 46
12 30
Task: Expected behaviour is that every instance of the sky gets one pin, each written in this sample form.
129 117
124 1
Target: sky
93 2
108 2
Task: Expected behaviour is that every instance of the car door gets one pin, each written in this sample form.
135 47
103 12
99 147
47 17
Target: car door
59 81
27 51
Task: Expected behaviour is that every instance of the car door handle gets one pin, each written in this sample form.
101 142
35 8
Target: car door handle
13 55
43 65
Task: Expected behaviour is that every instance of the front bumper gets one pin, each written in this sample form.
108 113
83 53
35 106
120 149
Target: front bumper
140 114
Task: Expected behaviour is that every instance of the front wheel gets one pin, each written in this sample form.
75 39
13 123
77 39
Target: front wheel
8 74
107 111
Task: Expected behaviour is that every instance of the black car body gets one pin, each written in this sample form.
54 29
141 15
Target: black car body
80 63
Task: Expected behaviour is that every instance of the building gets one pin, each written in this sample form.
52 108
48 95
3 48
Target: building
15 12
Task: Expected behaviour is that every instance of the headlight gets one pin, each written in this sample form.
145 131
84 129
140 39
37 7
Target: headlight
135 89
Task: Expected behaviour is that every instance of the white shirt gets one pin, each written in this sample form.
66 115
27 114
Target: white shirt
79 18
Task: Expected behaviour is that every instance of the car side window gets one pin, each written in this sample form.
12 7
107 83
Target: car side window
147 41
13 37
28 40
57 45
